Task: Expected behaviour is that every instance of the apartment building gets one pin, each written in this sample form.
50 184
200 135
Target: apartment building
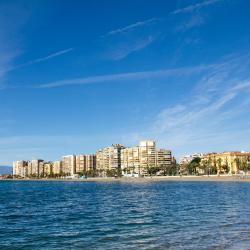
109 158
147 150
47 168
130 160
136 160
57 167
69 164
163 157
35 167
85 163
20 168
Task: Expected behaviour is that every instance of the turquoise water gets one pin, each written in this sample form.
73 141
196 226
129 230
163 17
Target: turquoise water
90 215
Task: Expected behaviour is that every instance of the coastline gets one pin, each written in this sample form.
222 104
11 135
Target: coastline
211 178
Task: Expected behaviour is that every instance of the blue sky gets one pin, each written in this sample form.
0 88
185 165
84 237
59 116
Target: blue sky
79 75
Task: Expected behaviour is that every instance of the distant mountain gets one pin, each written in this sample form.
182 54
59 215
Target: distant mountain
5 170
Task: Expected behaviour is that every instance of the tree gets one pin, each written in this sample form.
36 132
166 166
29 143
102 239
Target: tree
238 163
218 161
244 164
194 165
152 170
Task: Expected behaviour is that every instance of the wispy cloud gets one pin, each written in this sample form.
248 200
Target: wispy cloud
38 60
209 81
120 43
125 76
193 7
12 18
132 26
208 117
50 56
123 49
194 21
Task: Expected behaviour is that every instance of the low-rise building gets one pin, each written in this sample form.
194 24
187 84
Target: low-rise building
188 158
227 162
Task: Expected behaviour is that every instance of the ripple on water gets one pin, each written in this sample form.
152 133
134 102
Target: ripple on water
89 215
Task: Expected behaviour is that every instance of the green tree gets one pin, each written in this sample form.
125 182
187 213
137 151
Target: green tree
194 165
218 161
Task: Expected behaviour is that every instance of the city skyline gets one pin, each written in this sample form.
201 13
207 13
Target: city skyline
77 76
110 160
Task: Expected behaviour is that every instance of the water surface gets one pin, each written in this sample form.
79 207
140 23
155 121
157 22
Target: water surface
150 215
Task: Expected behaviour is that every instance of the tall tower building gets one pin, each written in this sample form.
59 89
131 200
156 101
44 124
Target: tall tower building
109 158
69 164
147 151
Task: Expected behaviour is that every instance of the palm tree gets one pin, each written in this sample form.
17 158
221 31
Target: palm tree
219 165
238 163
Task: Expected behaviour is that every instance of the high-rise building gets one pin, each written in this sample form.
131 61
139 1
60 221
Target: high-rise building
69 164
109 158
85 163
147 154
163 158
57 167
130 160
90 162
136 160
47 168
20 168
36 167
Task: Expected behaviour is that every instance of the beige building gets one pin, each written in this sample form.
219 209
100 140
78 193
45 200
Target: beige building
85 163
109 158
35 167
136 160
147 154
130 160
230 161
163 158
20 168
57 167
47 168
69 164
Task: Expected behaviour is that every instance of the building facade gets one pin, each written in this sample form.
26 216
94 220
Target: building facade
186 159
20 168
36 167
85 163
57 167
69 165
227 162
130 160
137 160
109 158
164 157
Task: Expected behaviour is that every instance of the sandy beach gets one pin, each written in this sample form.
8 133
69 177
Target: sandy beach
221 178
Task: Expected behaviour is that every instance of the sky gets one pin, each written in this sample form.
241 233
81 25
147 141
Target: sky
76 76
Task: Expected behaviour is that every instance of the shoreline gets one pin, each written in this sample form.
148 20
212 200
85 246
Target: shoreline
210 178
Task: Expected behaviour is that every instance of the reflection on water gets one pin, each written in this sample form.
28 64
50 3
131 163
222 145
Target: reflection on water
89 215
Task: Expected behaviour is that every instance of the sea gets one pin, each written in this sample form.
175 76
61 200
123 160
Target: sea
124 215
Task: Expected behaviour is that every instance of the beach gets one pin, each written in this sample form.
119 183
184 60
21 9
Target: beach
216 178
